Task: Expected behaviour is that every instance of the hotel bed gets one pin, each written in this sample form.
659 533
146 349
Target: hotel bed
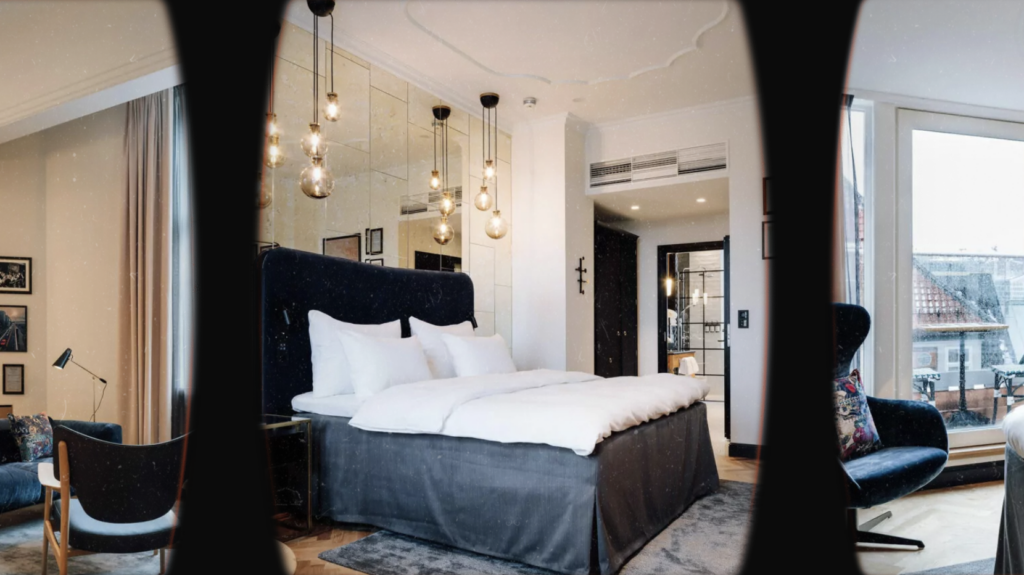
569 508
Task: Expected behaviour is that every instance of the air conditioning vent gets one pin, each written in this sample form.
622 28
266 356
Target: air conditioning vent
422 203
615 172
702 159
661 165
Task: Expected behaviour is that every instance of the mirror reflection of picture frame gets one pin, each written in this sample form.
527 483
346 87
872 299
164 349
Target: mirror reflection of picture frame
766 195
14 379
767 251
264 246
346 247
374 241
376 262
15 275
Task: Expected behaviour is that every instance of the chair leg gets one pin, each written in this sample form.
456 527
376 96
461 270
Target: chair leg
161 561
868 526
46 552
868 537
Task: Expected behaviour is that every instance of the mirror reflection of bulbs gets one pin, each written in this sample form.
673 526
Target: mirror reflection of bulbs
443 231
271 124
496 227
316 181
313 143
274 156
483 200
447 205
435 180
489 170
332 111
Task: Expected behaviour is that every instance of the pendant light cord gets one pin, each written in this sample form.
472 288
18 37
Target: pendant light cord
332 52
495 124
316 67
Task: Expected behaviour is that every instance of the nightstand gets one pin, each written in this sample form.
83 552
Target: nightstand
290 457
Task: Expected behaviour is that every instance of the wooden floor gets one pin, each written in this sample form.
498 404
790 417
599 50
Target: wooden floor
957 525
307 549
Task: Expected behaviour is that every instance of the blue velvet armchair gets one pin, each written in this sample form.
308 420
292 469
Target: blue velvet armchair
915 446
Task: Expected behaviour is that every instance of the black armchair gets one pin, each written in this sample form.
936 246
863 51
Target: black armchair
915 446
127 497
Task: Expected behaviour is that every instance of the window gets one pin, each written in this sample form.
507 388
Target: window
962 259
856 176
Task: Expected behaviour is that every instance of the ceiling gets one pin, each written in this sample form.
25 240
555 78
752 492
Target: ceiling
57 54
664 202
963 51
601 62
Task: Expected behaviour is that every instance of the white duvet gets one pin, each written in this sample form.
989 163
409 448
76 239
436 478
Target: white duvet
564 409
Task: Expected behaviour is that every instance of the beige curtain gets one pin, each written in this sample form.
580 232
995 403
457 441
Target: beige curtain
148 149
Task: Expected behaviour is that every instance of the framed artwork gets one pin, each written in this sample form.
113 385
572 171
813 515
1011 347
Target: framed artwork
14 379
376 261
767 249
766 195
15 275
264 246
13 328
374 241
347 247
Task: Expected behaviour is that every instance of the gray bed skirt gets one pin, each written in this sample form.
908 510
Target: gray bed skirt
536 504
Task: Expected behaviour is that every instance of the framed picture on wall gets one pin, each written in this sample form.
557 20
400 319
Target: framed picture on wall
376 262
14 379
767 251
346 247
15 275
766 195
13 328
374 241
264 246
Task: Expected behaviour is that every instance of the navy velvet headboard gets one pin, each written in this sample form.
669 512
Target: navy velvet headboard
292 282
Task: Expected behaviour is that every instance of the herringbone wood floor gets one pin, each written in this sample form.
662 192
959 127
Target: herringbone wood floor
957 525
307 549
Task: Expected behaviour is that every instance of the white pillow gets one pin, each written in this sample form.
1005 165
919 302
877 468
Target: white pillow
479 355
438 357
330 365
378 363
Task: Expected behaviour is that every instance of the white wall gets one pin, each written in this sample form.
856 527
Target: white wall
736 122
63 189
708 228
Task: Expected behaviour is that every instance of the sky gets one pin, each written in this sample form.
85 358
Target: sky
968 194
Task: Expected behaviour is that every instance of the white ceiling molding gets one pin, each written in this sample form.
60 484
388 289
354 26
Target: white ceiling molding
132 69
694 45
941 106
92 103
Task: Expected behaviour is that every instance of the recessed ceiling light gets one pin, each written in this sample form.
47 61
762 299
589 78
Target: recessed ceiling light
701 200
634 207
530 102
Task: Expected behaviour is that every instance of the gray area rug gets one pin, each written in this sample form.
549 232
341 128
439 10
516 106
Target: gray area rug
980 567
21 551
708 538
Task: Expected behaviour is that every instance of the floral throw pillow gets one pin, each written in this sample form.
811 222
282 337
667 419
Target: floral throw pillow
857 433
33 434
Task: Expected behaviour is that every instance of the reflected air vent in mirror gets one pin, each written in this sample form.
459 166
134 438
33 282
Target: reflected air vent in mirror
670 164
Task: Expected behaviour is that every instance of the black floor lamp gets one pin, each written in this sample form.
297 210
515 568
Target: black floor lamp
64 359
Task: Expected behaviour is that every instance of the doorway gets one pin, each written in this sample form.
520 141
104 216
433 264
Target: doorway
693 290
616 349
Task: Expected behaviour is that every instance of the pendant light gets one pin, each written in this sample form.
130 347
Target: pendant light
332 111
272 150
442 230
496 226
316 181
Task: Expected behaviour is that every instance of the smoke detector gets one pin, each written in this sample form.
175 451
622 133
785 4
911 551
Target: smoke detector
530 102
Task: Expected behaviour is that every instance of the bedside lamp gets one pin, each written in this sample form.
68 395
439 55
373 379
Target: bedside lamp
64 359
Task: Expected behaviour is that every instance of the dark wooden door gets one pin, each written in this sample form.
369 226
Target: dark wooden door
615 306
